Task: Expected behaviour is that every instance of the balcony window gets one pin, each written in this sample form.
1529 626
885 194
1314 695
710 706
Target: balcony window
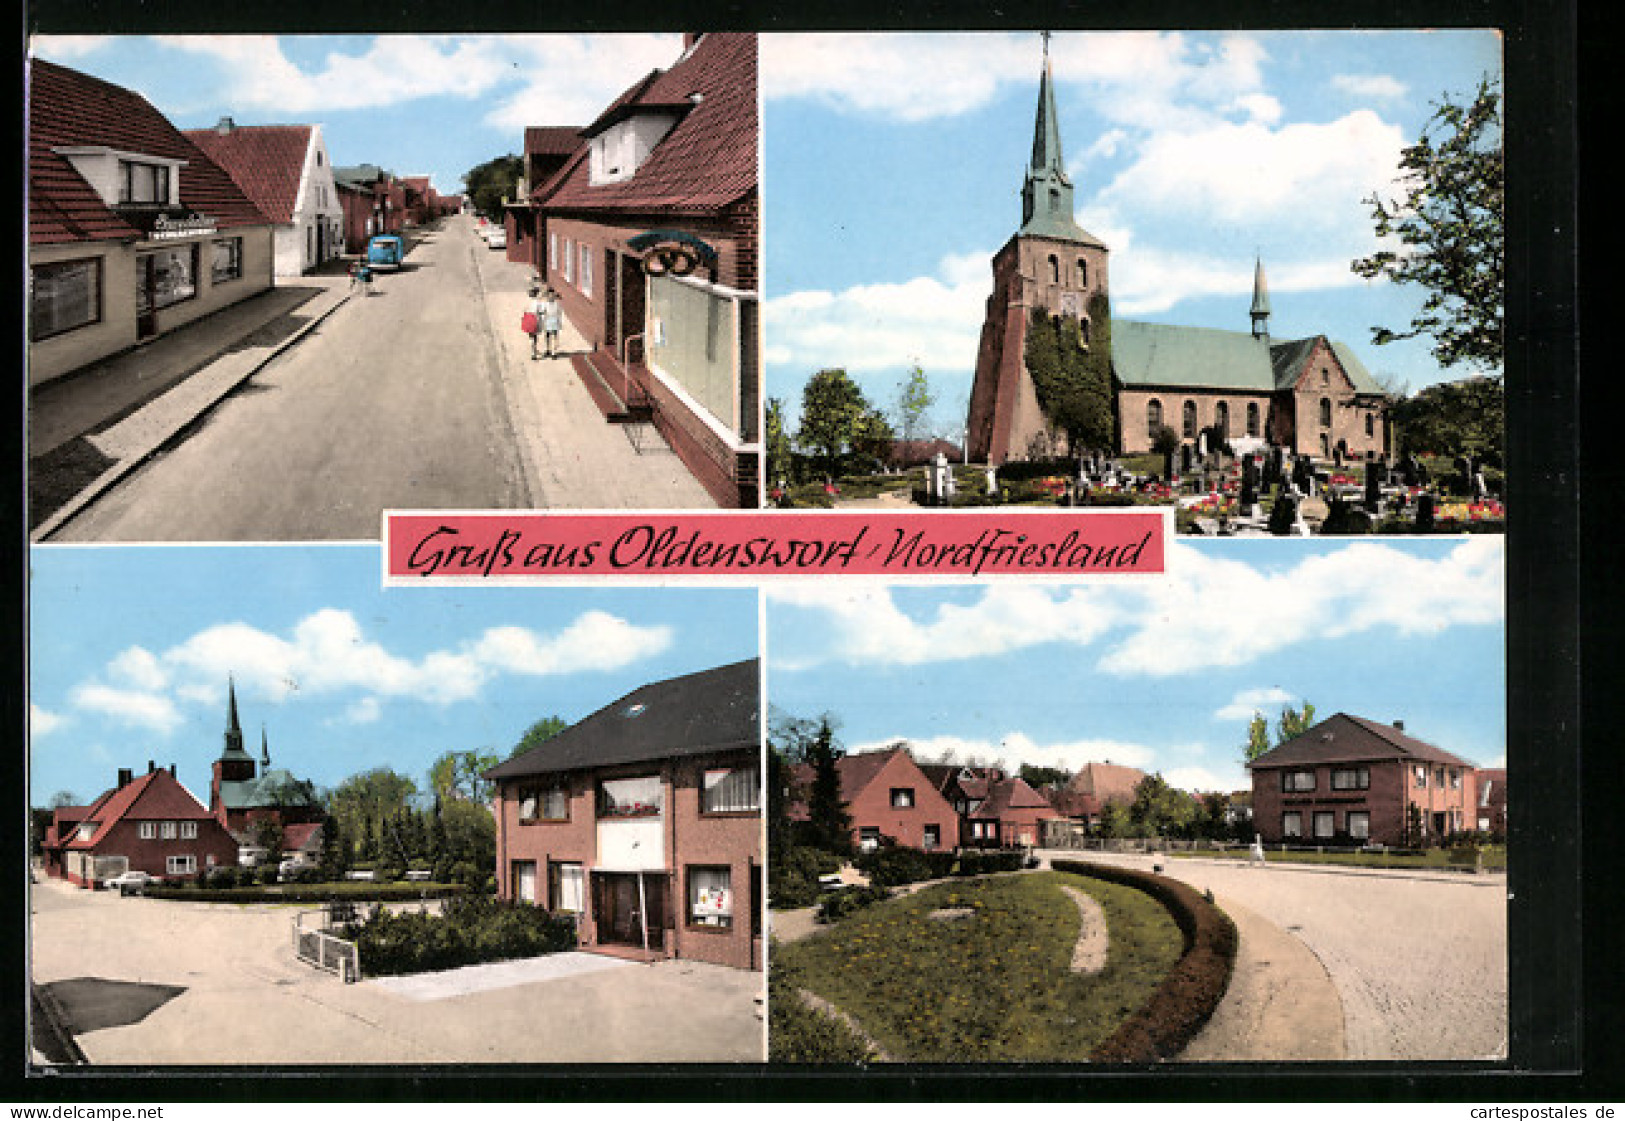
624 798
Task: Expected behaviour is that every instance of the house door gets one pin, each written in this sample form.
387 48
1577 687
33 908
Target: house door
614 331
146 282
631 301
620 910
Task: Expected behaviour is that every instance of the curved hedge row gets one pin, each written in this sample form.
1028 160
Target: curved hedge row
1185 1000
310 893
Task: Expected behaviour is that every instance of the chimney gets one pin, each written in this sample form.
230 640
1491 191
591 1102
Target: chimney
172 770
1399 725
151 766
225 126
689 39
125 777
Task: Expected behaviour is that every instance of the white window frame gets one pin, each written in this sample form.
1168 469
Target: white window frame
721 793
188 830
180 864
147 830
902 798
168 830
1351 778
1291 781
570 878
709 897
569 262
45 274
585 252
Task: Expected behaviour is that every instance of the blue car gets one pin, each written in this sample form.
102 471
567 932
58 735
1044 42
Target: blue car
386 251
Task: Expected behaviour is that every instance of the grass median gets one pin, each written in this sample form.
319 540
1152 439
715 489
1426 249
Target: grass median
981 971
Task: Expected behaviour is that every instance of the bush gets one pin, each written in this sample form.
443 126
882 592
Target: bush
307 893
890 867
469 930
839 904
1193 988
223 878
984 862
793 881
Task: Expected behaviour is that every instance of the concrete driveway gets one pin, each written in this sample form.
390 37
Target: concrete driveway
246 1000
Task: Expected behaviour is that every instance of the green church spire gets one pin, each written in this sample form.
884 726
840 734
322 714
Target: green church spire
1046 194
1261 302
234 728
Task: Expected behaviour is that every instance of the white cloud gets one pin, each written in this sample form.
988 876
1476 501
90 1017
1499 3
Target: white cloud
911 78
66 48
327 653
568 79
1207 611
42 722
1248 702
129 707
1200 780
1375 87
934 322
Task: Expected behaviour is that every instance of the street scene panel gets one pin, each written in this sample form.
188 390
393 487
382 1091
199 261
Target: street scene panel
1255 276
1010 823
524 278
388 826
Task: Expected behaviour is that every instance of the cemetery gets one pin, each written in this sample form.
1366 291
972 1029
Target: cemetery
1241 489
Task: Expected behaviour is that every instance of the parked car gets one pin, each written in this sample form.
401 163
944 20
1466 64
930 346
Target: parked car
133 882
497 238
386 251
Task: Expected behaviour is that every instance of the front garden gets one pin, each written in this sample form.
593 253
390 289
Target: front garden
981 969
469 930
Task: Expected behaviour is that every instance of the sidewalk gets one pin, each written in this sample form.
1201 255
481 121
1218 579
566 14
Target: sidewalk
87 430
574 457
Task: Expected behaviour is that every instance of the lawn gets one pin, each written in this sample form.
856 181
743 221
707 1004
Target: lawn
994 984
1495 858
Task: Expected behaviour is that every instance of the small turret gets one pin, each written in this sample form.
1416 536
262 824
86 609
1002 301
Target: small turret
1261 302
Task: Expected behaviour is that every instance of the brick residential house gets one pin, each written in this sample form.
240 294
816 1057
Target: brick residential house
1012 816
1491 816
1352 780
891 799
668 172
373 202
1311 395
150 824
132 230
645 820
548 149
286 171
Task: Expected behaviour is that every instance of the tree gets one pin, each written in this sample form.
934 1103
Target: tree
780 450
1449 223
1258 737
267 834
1466 417
62 798
812 743
461 774
1160 810
838 424
365 802
1294 722
539 733
491 182
914 401
1036 776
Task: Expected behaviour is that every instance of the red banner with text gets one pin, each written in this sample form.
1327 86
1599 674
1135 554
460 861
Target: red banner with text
746 545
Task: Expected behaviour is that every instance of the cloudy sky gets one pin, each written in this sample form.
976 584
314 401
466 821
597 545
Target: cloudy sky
417 105
131 649
893 167
1162 674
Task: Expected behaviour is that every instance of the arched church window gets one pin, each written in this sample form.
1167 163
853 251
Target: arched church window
1083 330
1188 424
1153 417
1252 418
1221 419
1325 412
1054 269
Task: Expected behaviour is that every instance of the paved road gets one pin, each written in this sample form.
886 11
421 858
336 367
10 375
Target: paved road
246 1000
1419 961
394 401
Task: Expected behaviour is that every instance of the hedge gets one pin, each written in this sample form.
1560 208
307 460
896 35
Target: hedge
468 931
982 862
891 867
310 893
839 904
1185 1000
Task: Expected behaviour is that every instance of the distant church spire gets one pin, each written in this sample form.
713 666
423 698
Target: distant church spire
1046 193
234 728
265 749
1261 302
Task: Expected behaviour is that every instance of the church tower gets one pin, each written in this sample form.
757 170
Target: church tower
1051 263
235 765
1261 303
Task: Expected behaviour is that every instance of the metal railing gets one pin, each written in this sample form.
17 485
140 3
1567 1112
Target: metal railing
323 950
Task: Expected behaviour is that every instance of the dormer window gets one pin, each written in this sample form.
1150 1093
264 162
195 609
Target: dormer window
144 184
621 149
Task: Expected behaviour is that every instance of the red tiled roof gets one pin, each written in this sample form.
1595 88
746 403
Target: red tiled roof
298 834
706 162
156 795
1106 781
552 140
70 109
1343 738
266 161
1011 794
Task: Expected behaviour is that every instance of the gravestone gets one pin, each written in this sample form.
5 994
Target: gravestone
1373 490
1424 512
1480 491
1249 484
992 480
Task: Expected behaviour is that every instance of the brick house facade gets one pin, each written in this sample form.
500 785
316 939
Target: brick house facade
891 801
676 154
644 820
1352 780
150 824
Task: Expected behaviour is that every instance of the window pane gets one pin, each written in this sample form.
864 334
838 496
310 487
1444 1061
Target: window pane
630 797
64 296
696 344
731 791
228 260
710 897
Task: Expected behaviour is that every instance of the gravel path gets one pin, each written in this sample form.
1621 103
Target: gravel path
1094 941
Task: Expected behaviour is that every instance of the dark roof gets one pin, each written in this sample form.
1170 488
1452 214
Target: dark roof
1352 739
706 162
69 109
552 140
697 714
